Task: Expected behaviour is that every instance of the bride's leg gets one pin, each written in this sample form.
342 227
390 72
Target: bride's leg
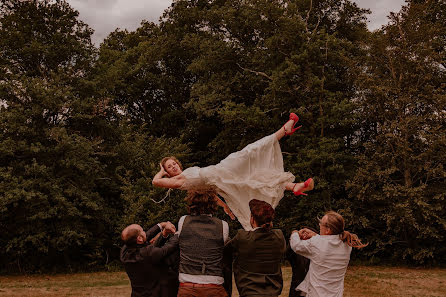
288 128
300 187
284 130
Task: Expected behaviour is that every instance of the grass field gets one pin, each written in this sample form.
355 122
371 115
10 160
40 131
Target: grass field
360 281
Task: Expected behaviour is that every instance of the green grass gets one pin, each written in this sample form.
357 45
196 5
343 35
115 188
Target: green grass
360 281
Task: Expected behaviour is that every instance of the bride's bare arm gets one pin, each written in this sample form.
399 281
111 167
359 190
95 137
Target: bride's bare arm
167 182
225 207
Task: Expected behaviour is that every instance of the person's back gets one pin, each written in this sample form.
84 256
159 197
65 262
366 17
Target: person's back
257 262
201 246
258 254
329 262
201 240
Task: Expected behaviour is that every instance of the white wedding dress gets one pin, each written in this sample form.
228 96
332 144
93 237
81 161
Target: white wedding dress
255 172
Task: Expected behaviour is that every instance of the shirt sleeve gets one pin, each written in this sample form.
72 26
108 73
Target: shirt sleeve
225 231
180 225
161 240
305 248
152 232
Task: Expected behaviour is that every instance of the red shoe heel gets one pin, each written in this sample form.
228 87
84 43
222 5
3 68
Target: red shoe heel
308 183
295 118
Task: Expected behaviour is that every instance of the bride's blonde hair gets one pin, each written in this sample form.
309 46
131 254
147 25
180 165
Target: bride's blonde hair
164 160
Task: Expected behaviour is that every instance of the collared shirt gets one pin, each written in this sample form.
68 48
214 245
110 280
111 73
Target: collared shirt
329 258
202 279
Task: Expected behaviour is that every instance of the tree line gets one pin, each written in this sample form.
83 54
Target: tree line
83 128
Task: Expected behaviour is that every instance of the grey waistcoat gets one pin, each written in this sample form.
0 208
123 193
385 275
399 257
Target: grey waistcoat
201 246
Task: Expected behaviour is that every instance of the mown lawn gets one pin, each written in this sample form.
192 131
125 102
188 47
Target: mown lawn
360 281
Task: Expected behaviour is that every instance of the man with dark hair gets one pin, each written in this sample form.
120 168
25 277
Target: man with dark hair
258 254
201 239
142 261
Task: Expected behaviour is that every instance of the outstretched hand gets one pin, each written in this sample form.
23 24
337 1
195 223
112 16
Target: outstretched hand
229 212
226 208
168 228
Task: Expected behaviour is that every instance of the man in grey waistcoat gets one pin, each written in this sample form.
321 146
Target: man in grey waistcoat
201 238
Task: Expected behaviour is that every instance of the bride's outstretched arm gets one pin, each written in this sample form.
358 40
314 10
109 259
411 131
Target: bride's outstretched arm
225 207
167 182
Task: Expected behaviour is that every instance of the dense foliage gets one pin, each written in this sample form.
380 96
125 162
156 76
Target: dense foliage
82 129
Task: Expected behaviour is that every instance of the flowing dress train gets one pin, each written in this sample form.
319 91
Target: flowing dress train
255 172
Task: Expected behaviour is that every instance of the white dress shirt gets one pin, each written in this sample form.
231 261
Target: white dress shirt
329 258
202 279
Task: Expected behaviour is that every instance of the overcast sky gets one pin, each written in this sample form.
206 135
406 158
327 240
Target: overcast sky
104 16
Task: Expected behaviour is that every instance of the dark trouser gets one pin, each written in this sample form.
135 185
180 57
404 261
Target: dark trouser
214 291
300 266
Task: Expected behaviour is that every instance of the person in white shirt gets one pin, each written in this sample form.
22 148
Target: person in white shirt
329 254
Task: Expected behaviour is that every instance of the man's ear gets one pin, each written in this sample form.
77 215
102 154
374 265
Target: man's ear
139 239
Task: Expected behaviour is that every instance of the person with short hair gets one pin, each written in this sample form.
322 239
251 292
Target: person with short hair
329 254
201 239
142 261
258 254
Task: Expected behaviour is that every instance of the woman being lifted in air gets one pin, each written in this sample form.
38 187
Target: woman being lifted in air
255 172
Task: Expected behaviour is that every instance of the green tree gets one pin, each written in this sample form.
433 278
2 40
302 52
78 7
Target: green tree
143 73
399 187
51 209
253 62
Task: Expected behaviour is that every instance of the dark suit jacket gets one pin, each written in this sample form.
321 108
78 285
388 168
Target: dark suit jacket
227 269
169 270
257 262
143 264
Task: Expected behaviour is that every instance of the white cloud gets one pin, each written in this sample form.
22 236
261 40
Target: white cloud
104 16
380 10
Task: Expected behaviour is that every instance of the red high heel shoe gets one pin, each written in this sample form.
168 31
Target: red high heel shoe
308 183
295 118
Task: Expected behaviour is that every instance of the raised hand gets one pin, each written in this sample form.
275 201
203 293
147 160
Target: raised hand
306 233
163 171
168 228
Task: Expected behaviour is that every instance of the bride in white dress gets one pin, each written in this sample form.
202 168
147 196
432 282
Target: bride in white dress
255 172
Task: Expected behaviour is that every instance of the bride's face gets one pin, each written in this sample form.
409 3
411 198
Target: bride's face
172 168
